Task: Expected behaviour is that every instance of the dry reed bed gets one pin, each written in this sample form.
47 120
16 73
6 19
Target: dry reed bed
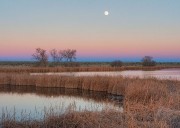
26 69
106 84
133 88
86 119
73 120
147 103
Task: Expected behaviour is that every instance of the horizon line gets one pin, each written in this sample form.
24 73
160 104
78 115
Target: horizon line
95 59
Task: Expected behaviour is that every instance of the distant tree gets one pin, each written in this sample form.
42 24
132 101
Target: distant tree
41 57
148 61
69 55
60 55
117 63
54 55
57 56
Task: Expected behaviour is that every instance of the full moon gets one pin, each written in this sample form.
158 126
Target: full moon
106 13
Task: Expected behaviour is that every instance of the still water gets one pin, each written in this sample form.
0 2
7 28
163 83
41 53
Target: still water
35 103
171 74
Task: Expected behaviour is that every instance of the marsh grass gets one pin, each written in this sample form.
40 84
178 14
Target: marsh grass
31 69
58 116
147 102
95 83
72 119
96 119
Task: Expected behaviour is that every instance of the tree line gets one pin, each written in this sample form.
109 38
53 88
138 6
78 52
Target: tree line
146 61
41 56
69 55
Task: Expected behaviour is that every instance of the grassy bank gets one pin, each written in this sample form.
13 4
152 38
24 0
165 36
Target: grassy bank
147 102
104 119
113 85
72 119
31 69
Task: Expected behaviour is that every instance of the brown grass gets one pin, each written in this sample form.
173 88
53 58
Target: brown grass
96 83
30 69
148 102
103 119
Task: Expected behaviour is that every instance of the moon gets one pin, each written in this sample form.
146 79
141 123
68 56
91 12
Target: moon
106 13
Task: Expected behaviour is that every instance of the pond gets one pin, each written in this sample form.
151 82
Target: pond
30 103
171 74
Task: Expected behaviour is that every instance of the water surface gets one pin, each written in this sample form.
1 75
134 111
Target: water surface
36 103
171 74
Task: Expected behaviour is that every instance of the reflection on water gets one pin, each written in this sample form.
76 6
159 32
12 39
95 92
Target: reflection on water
172 74
34 102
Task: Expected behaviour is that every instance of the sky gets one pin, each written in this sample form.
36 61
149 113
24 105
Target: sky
133 28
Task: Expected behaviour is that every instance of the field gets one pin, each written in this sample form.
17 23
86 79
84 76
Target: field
147 102
31 67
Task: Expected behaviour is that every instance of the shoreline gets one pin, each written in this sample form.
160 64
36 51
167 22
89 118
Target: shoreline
114 85
30 69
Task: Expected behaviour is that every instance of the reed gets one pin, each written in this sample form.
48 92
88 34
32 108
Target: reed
87 119
147 102
31 69
153 103
114 85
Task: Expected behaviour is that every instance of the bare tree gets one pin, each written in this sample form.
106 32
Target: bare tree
41 56
148 61
69 54
60 55
54 55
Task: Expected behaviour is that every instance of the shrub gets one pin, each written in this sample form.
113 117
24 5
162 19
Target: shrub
148 61
117 63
